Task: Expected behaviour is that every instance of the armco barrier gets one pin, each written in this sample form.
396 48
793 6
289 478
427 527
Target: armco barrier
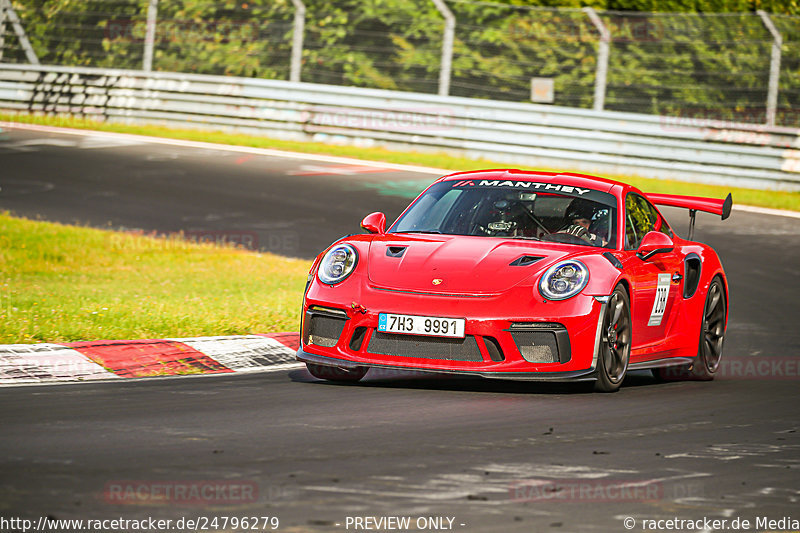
531 134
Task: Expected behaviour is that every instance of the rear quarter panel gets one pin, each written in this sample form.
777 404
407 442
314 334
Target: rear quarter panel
683 332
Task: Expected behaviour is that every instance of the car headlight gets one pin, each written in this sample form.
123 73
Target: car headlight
337 264
564 280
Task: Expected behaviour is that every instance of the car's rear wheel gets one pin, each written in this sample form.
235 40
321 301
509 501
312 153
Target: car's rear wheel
712 337
334 373
615 342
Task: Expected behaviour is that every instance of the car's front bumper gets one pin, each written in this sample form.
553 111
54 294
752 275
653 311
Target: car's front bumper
506 336
579 375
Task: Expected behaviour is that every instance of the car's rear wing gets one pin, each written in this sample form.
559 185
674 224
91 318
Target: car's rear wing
694 204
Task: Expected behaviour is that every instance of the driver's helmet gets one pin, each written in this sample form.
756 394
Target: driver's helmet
601 225
580 208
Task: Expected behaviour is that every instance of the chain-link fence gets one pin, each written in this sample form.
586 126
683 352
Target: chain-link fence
713 68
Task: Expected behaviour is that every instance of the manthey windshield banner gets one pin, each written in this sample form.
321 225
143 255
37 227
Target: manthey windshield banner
537 186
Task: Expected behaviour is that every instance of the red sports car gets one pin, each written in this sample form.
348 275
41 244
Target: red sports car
520 275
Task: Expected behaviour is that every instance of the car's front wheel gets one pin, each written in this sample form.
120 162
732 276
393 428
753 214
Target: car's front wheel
615 342
334 373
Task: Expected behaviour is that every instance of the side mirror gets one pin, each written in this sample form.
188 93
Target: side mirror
654 243
374 223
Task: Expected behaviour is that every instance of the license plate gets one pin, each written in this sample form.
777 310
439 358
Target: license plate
421 325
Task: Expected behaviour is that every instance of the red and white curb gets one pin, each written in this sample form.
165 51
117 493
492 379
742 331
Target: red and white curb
22 364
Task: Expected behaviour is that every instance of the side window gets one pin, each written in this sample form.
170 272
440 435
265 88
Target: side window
640 218
659 223
662 225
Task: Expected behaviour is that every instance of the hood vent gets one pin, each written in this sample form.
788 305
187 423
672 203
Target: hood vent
525 260
395 251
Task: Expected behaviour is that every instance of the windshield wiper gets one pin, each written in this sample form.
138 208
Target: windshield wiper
526 238
437 232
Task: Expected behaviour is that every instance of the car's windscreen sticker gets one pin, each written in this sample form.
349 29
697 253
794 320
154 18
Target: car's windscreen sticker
533 185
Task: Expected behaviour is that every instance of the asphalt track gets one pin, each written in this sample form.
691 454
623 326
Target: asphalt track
495 456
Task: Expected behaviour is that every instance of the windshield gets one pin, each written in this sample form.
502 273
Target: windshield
514 209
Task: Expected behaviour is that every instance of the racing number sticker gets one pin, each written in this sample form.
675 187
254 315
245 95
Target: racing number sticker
660 305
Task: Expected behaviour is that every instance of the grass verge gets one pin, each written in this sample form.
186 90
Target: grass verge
66 283
771 199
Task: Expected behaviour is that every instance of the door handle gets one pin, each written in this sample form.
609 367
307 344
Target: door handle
676 277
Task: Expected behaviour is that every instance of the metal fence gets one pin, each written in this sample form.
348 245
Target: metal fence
739 67
516 133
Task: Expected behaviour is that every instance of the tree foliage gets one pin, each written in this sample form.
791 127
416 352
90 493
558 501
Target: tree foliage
708 58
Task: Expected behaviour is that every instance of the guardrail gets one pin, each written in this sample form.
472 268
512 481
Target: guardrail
519 134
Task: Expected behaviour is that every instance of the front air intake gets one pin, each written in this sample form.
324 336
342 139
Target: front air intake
323 326
465 349
525 260
537 346
541 342
494 349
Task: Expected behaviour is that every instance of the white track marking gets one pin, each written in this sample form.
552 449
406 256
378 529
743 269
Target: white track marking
229 148
43 363
341 170
244 353
101 141
766 211
30 145
734 451
296 155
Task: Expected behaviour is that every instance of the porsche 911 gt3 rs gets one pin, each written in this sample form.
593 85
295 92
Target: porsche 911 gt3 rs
520 275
